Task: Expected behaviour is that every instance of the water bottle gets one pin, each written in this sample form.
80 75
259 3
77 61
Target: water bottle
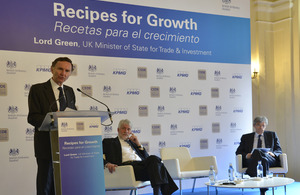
260 170
212 175
231 172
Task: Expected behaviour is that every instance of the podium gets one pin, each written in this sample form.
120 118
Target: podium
76 147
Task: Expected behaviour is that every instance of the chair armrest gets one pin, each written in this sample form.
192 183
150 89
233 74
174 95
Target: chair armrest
173 167
204 163
123 177
283 161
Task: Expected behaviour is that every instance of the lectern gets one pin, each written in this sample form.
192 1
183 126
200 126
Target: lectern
76 144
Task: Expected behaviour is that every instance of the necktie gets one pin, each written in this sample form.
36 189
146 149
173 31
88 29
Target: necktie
259 142
62 100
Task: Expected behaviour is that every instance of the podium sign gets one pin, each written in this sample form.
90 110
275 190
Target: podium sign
81 157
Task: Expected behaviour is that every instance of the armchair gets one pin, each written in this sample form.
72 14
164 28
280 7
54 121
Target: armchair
181 165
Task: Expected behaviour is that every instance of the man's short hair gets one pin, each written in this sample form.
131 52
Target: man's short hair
260 119
124 121
64 59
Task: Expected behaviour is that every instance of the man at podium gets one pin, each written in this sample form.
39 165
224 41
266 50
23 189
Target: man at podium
127 150
50 96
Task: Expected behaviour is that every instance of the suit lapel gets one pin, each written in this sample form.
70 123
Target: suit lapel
50 96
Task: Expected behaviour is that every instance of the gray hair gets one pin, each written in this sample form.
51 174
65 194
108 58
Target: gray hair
260 119
124 121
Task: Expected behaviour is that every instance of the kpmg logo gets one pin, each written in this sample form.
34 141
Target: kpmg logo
186 145
172 90
142 72
160 108
133 92
29 131
107 129
11 64
219 141
237 76
162 144
159 70
197 128
183 111
106 88
136 131
238 110
64 124
27 87
183 74
93 108
173 126
14 152
196 93
119 72
217 73
43 68
94 126
92 68
13 109
120 111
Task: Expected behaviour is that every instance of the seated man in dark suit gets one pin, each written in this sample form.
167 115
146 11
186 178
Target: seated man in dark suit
127 150
259 139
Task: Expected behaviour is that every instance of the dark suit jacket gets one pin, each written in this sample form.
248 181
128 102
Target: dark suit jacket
41 97
246 145
113 151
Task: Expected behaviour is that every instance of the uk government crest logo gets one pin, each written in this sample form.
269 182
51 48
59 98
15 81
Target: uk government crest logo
11 64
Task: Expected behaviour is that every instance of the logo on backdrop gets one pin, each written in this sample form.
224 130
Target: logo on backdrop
161 111
233 93
185 144
43 68
143 110
203 110
120 111
136 130
218 76
142 72
13 112
201 74
203 144
29 132
238 110
196 92
156 129
107 129
133 92
173 92
237 76
27 87
4 134
197 128
182 74
227 6
160 73
15 155
219 143
93 108
108 91
88 89
11 67
219 110
162 144
183 111
154 92
234 127
3 89
216 127
93 71
214 92
119 71
174 129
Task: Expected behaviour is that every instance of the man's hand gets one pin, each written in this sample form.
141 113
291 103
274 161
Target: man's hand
134 139
271 153
248 156
111 167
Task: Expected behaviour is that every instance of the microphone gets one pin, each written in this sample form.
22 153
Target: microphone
108 110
